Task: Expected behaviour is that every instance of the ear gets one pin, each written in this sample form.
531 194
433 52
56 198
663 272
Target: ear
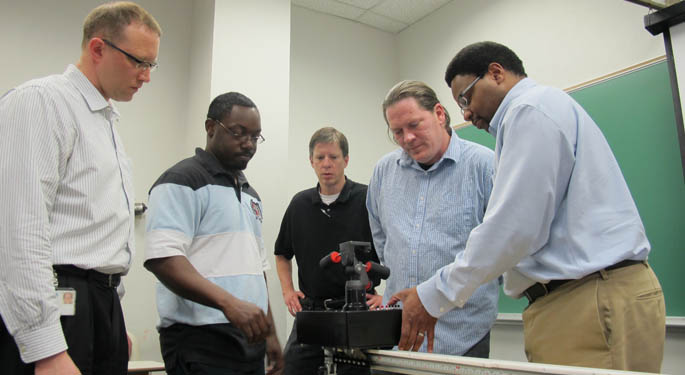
209 127
347 160
497 71
440 113
96 49
311 161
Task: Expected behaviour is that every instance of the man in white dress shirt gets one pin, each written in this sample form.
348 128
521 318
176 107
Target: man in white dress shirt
66 224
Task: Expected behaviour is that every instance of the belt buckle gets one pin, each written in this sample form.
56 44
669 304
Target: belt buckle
109 280
532 298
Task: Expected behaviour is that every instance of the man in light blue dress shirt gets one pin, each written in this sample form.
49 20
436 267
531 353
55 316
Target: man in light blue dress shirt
561 222
423 200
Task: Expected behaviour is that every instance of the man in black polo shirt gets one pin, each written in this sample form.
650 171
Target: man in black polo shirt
315 223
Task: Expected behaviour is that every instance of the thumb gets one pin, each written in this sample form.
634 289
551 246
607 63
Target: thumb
399 296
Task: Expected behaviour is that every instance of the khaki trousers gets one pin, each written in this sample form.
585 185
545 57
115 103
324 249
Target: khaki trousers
609 319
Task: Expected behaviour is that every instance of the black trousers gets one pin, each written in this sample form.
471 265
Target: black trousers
96 334
212 349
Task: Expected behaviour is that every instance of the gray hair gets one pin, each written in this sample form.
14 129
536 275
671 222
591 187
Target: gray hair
424 95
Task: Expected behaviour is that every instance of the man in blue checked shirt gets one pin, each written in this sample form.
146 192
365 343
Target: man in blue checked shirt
423 200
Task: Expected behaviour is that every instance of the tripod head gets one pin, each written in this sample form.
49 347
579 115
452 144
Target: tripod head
362 274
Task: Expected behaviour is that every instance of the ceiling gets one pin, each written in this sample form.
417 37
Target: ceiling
388 15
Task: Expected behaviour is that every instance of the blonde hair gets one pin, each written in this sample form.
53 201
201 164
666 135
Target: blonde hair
329 135
109 20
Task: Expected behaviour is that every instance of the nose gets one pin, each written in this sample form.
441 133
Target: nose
248 144
326 162
145 75
468 115
408 136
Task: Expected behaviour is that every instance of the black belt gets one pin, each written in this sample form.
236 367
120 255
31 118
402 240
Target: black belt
104 279
540 290
320 304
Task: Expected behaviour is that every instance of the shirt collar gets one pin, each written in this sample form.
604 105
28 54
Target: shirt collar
519 88
93 97
452 153
214 167
342 198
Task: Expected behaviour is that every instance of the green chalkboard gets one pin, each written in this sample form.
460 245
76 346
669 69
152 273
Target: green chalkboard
635 112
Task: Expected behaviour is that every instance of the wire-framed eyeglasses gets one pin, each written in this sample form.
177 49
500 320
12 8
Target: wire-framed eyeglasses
239 133
462 101
140 64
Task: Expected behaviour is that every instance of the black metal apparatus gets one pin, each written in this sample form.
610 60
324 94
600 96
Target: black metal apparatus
344 331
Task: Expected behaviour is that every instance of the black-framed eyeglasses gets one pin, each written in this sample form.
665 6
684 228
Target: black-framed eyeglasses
241 135
462 101
140 64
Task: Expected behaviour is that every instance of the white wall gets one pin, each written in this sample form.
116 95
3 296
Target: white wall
340 74
200 75
561 42
251 55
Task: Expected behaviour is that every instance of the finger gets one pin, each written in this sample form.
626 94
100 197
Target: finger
264 330
409 331
264 326
404 336
419 340
412 339
258 331
248 332
430 335
300 295
297 305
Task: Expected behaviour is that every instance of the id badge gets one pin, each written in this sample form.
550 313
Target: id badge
66 300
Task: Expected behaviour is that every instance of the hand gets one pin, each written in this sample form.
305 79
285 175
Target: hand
374 301
292 300
274 355
249 318
58 364
416 322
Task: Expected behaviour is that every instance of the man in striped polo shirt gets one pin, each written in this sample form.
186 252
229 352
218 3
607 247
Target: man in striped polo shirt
204 243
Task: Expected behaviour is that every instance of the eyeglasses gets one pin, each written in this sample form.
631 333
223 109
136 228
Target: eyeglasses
241 135
461 99
140 64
